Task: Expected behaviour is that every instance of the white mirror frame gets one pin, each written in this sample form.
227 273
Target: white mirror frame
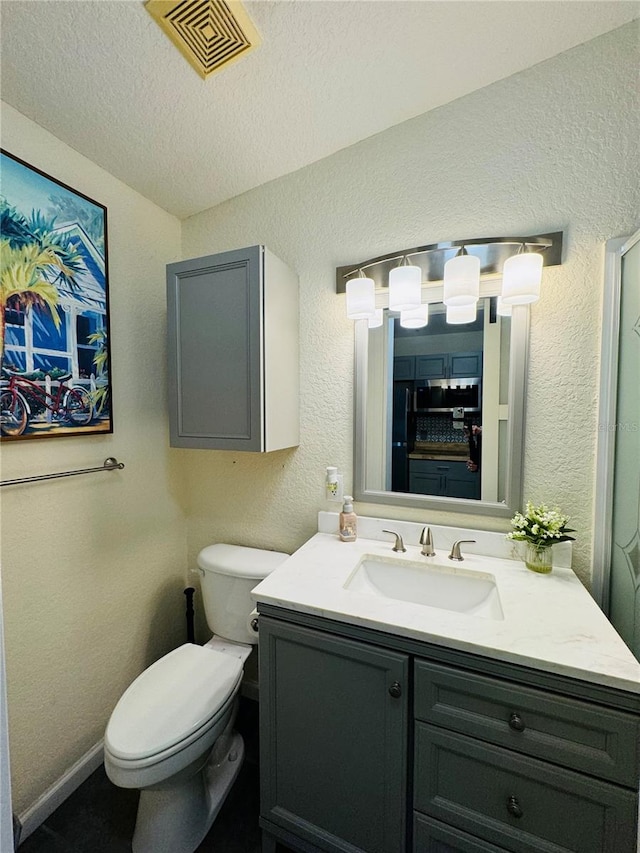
518 355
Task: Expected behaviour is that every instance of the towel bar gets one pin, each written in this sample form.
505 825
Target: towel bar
110 464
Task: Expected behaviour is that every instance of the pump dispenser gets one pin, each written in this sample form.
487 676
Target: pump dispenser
333 485
348 526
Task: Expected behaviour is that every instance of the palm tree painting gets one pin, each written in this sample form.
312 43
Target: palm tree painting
54 313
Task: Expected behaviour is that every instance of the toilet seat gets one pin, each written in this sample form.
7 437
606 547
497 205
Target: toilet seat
171 704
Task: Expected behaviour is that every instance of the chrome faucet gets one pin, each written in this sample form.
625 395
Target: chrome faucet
426 540
399 544
455 550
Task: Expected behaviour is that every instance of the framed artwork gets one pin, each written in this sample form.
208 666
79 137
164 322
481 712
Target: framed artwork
55 376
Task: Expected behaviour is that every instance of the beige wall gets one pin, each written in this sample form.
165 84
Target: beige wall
555 147
93 566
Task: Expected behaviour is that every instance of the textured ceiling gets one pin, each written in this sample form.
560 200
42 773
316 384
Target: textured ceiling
104 78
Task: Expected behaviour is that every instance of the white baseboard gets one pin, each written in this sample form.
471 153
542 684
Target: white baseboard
60 790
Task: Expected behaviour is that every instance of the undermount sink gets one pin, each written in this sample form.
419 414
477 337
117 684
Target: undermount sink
473 593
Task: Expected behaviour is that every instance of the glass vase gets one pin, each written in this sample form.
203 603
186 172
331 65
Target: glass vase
538 558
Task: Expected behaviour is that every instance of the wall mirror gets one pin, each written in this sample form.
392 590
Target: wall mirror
440 406
440 411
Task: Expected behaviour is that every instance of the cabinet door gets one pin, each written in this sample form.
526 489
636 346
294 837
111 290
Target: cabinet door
453 365
425 483
404 367
465 365
333 739
432 366
462 483
214 332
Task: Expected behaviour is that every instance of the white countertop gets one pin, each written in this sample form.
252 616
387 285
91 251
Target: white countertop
550 621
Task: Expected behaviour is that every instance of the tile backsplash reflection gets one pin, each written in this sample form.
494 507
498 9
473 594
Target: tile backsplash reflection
440 428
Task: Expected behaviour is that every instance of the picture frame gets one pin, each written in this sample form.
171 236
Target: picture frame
55 360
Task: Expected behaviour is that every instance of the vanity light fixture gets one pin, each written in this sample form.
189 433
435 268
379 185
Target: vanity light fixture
521 278
376 319
502 309
462 279
405 287
415 318
459 314
510 267
361 298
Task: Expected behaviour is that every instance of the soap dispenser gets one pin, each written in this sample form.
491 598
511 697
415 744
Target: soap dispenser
348 527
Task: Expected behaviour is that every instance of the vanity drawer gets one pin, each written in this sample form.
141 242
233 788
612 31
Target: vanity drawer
575 734
431 836
519 803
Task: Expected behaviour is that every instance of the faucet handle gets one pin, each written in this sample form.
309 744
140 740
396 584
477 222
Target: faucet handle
399 544
426 540
455 550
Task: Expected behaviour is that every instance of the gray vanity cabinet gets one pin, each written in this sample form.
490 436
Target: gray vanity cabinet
333 740
498 760
493 758
233 352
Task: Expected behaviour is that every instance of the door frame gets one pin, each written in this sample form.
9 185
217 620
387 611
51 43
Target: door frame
603 505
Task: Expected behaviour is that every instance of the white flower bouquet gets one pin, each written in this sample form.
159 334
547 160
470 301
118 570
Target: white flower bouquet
540 526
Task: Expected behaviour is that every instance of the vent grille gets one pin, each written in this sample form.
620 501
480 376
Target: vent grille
209 33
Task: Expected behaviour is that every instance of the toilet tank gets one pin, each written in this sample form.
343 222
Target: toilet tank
228 573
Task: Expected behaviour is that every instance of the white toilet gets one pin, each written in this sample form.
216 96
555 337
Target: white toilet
171 734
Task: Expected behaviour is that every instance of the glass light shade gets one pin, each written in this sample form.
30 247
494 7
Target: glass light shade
376 319
503 310
462 280
361 298
405 288
458 314
521 278
415 318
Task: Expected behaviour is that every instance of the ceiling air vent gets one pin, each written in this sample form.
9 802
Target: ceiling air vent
209 33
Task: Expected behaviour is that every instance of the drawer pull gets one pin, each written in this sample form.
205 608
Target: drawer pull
395 690
513 807
515 722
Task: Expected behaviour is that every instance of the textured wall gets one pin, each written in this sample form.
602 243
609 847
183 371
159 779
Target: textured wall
555 147
93 566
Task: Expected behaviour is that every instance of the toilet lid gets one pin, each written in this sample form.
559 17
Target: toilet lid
171 700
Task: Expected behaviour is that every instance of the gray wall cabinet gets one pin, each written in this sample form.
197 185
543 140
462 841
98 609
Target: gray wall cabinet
404 367
449 365
233 352
372 743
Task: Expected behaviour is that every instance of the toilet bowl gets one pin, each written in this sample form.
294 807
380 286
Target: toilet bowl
171 734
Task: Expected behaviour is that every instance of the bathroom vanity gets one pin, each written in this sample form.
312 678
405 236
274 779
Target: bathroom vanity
389 725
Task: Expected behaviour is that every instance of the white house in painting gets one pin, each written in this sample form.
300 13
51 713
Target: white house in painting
32 340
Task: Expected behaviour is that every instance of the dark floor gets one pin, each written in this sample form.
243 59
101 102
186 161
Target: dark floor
99 817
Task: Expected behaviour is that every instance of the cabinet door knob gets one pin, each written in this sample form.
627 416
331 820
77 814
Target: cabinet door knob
513 807
395 690
516 723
